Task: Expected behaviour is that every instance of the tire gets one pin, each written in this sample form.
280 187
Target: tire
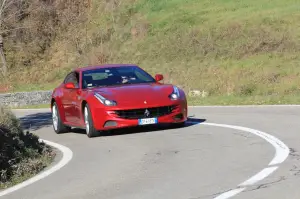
89 124
58 125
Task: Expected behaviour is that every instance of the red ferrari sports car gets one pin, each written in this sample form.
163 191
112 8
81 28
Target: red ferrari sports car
100 98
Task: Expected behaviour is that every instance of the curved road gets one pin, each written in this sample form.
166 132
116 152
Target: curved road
195 162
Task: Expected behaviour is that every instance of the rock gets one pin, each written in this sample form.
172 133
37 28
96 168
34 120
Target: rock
25 98
197 93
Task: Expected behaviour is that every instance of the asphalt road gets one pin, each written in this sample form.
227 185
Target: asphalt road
195 162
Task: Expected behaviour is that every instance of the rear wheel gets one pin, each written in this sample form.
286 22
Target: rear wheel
58 125
89 124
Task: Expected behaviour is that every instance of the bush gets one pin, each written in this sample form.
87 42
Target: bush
21 153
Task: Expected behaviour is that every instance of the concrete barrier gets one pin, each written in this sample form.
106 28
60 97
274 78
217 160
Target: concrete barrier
25 98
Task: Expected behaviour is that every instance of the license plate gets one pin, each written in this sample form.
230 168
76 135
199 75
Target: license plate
147 121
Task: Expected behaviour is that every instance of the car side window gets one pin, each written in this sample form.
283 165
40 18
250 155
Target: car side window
143 76
67 78
74 78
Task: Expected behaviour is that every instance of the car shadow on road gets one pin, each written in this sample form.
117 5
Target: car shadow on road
40 120
36 121
144 129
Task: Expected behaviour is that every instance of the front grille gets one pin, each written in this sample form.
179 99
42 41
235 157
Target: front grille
141 113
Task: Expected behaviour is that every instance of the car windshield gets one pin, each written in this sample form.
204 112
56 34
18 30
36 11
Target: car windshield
115 76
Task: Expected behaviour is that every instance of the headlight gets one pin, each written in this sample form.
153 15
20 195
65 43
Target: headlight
175 94
105 101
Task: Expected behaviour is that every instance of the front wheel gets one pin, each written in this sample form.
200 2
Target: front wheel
89 125
58 125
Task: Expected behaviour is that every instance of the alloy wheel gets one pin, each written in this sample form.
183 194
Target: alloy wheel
54 117
86 119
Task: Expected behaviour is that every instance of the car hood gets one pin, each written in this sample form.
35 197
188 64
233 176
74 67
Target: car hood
137 95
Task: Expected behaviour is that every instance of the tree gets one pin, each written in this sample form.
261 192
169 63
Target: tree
10 10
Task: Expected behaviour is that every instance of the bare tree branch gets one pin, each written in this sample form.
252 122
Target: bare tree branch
5 6
11 15
9 4
9 30
2 6
7 12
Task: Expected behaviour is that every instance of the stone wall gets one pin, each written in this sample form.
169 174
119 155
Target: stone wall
25 98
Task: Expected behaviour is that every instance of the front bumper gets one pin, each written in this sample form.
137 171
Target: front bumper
106 119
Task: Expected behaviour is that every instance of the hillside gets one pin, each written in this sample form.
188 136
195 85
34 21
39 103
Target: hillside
236 51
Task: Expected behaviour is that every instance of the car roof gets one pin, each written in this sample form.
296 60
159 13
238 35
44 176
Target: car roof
102 66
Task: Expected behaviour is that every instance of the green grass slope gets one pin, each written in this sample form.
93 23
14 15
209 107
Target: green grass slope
236 51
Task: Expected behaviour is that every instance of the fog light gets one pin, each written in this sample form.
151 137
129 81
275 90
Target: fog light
110 124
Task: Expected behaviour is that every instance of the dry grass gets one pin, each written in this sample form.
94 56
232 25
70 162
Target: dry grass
226 48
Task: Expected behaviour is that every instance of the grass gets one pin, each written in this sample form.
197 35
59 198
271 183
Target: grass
43 162
233 50
37 106
239 100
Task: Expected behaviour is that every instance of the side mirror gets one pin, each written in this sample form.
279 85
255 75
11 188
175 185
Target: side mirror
159 77
69 85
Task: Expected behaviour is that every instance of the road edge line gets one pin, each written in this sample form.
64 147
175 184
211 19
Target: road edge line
282 152
67 157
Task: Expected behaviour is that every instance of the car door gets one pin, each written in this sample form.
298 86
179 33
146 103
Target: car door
67 100
74 105
75 99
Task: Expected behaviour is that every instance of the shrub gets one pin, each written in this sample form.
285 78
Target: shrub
21 153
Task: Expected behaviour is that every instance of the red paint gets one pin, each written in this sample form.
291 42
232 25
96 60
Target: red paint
159 77
136 95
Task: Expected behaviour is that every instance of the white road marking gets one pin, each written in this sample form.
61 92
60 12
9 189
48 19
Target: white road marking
67 156
259 176
230 193
282 152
